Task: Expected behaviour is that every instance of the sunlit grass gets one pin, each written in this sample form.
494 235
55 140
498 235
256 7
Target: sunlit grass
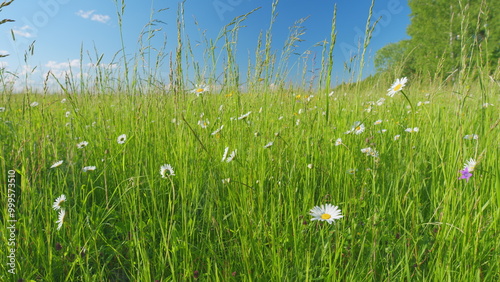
217 181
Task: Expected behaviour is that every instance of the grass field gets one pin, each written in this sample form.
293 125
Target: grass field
407 215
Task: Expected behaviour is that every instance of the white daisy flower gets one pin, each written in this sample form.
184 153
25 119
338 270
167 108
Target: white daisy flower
471 136
89 168
310 166
218 130
358 128
411 130
199 89
244 116
231 156
2 109
370 152
166 168
67 114
63 100
470 164
203 123
351 171
397 86
56 164
225 154
396 137
377 122
327 213
338 142
226 180
121 139
59 200
82 144
34 104
268 145
60 218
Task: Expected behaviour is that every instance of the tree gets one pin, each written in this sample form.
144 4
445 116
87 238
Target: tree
392 55
5 4
446 36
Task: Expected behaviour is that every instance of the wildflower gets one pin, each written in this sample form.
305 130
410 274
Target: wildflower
34 104
268 145
470 165
382 131
485 105
226 180
217 130
63 100
411 130
59 200
396 137
2 109
203 123
397 86
200 89
338 142
472 136
225 154
357 128
67 114
380 101
370 152
166 168
56 164
327 213
465 174
310 166
244 116
231 156
297 122
89 168
121 139
377 122
82 144
351 171
60 218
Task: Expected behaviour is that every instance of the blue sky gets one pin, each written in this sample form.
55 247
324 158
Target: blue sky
61 28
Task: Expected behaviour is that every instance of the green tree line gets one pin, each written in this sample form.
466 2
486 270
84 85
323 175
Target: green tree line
448 37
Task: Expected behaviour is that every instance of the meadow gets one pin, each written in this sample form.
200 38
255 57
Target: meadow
194 183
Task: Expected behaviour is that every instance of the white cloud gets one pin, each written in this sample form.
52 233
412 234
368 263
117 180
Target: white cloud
93 17
25 31
85 14
100 18
53 65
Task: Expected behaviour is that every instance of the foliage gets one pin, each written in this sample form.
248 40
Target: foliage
446 37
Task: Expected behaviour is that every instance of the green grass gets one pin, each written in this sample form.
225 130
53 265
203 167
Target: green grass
407 215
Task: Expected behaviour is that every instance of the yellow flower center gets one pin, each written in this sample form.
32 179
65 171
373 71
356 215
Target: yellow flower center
199 90
326 216
358 128
398 87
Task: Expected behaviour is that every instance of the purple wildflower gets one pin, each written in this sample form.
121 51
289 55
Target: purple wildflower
465 174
